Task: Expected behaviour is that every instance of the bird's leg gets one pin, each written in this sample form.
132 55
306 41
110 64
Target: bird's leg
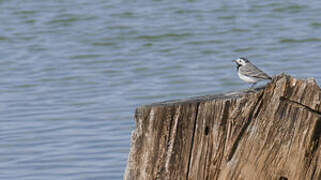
253 85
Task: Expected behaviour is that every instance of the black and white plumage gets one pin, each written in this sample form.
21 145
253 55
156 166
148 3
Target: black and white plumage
248 72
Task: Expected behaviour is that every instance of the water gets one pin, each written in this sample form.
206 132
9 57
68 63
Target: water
73 72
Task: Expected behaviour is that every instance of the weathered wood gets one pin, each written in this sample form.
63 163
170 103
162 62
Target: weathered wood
270 133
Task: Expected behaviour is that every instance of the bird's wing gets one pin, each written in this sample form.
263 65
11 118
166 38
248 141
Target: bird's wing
252 70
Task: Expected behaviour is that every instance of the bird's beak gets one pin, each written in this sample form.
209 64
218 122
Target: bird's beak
234 61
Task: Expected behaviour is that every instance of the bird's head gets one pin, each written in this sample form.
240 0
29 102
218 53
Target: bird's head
241 61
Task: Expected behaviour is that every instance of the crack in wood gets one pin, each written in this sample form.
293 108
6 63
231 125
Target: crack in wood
192 143
282 98
240 135
316 131
169 143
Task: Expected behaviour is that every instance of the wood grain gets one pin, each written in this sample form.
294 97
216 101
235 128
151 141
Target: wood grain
272 132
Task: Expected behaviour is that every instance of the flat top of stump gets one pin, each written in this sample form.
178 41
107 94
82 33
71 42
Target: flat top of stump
228 95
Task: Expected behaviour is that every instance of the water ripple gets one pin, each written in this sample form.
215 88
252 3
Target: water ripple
74 72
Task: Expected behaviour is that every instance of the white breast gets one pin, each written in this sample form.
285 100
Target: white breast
248 78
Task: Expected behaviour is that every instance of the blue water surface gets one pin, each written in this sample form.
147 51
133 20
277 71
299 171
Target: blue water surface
73 72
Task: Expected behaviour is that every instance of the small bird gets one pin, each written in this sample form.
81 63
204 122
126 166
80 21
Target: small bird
248 72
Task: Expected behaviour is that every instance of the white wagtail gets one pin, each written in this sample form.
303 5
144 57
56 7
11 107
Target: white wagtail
248 72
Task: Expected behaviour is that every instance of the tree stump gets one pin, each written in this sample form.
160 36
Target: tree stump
272 132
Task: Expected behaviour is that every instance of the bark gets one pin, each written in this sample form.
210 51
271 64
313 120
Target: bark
272 132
